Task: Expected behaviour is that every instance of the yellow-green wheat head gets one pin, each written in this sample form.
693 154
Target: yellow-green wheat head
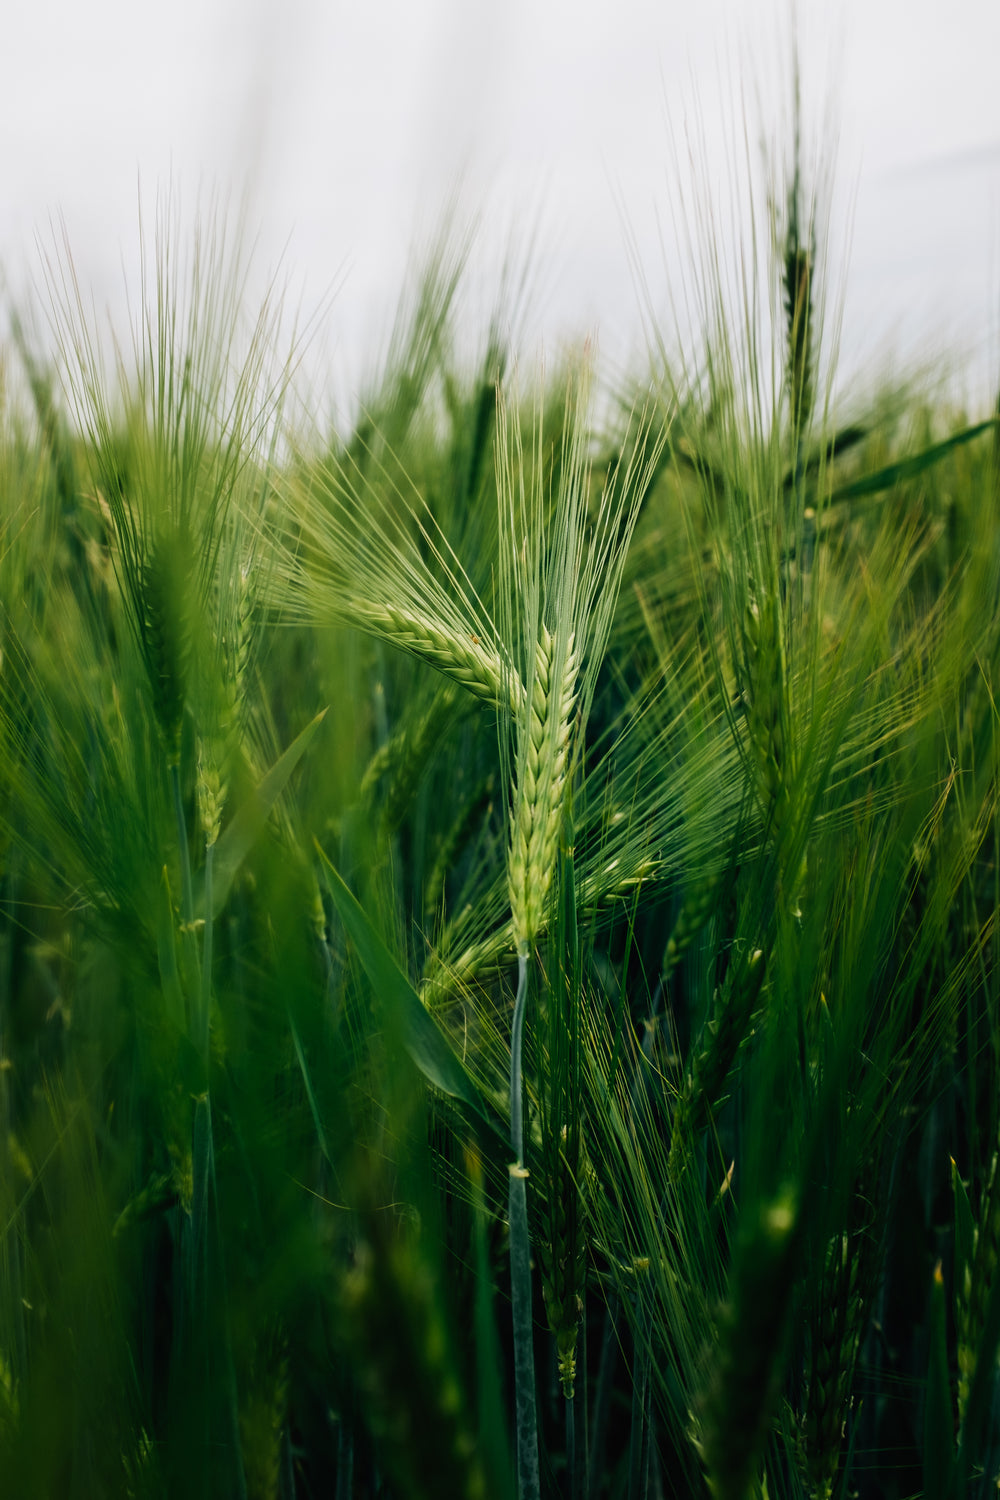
561 558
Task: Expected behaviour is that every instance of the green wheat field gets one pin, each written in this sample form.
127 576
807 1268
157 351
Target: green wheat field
498 906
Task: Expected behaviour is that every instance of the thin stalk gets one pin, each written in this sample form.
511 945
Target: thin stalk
602 1401
577 1445
524 1361
206 956
198 1253
520 1261
638 1463
571 1443
187 890
516 1048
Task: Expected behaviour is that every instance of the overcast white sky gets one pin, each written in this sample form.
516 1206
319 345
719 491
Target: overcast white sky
350 125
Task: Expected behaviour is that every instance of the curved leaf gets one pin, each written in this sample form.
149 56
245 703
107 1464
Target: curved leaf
426 1043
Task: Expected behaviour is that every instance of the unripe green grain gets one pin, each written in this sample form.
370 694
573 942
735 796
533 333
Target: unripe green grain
543 762
466 659
211 795
561 1252
732 1012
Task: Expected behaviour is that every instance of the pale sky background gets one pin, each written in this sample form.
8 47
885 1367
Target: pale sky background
351 125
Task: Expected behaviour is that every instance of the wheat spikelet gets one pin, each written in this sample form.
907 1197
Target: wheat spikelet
602 885
403 758
702 1089
798 258
462 657
561 1248
444 976
799 324
211 791
612 880
697 907
543 763
158 1192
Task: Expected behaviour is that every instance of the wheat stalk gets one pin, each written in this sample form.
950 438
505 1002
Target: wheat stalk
559 581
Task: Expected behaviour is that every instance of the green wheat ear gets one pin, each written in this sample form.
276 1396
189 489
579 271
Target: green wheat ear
343 554
543 780
561 565
798 289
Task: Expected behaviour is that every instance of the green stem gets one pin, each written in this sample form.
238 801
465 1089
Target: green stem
206 958
520 1261
187 890
638 1481
578 1450
516 1048
602 1401
571 1464
524 1358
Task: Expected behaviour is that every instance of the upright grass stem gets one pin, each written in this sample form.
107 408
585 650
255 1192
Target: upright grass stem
520 1259
187 889
206 955
516 1060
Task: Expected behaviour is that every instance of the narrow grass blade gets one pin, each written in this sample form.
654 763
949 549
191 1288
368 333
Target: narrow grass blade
981 1390
237 840
909 468
965 1229
425 1041
166 949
